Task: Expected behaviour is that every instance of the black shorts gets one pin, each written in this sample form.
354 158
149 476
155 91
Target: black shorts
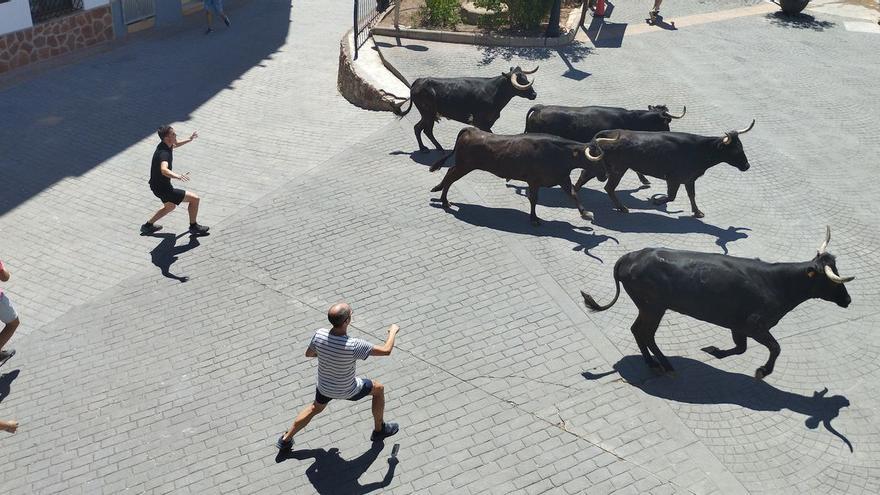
169 194
364 391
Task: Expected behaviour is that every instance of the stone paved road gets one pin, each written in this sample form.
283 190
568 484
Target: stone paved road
130 380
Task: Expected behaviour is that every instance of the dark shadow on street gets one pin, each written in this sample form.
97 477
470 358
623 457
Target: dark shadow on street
331 474
660 23
398 44
82 114
6 380
605 34
798 21
700 383
165 254
517 222
574 53
428 158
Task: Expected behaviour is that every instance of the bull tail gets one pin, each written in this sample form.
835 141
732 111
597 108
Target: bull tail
593 305
534 108
436 166
396 103
439 163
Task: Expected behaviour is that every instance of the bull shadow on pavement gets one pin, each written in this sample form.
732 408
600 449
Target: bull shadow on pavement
428 158
701 383
6 380
165 254
798 21
517 222
331 474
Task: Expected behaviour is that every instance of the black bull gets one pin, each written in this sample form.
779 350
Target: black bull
541 160
476 101
747 296
583 123
677 157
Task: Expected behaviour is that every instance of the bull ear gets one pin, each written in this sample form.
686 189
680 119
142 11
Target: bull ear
811 272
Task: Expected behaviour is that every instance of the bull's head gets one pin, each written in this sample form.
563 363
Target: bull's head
520 83
663 112
827 284
732 149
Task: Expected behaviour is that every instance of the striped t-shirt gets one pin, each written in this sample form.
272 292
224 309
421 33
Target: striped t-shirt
337 355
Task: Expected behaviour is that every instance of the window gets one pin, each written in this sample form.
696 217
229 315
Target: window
44 10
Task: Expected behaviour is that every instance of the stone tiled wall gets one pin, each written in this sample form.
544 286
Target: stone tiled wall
55 37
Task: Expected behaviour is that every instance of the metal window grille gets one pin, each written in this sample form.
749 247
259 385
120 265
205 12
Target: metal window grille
365 14
43 10
137 10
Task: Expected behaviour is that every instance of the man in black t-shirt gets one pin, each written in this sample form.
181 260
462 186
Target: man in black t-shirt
160 184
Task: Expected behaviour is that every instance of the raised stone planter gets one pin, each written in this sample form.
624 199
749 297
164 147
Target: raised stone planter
570 30
363 81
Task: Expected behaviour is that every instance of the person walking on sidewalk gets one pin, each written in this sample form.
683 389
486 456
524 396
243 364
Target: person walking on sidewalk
8 317
337 354
215 6
160 183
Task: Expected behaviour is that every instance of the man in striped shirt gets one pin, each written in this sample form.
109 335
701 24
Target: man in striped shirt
337 354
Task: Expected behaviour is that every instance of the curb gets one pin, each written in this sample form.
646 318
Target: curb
362 88
571 26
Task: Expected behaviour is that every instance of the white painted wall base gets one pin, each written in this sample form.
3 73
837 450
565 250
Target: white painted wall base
15 16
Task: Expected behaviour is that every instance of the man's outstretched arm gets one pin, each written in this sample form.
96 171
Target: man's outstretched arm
386 348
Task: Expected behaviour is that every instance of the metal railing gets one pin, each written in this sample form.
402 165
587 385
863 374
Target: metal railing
43 10
365 14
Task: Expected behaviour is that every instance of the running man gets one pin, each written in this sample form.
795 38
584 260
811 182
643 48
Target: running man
160 183
337 354
215 6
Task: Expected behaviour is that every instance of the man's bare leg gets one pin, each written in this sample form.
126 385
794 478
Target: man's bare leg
166 209
303 419
378 394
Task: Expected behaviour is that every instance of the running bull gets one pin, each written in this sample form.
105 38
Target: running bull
541 160
583 123
747 296
677 157
476 101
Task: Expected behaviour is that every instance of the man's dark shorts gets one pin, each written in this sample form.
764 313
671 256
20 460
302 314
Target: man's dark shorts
365 391
169 194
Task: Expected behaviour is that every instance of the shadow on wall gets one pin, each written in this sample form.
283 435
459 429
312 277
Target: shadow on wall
331 474
700 383
65 123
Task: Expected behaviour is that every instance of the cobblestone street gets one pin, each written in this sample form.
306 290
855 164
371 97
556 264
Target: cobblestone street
126 379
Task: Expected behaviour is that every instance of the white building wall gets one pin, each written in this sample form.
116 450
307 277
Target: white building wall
14 16
90 4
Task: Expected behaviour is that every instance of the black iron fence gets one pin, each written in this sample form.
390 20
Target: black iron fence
365 14
43 10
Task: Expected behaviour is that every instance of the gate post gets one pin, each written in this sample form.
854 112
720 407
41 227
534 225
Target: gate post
120 30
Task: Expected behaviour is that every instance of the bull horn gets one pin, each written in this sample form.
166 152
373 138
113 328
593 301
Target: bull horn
529 72
606 140
683 111
824 247
591 157
747 129
837 279
521 87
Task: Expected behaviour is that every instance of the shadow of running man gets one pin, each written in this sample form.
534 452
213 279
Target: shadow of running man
331 474
700 383
6 380
165 254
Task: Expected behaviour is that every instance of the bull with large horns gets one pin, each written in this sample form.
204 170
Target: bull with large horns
475 101
747 296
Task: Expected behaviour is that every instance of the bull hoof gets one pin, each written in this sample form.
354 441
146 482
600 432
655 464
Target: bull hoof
656 368
623 209
671 374
586 215
699 214
446 205
660 200
536 222
423 150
